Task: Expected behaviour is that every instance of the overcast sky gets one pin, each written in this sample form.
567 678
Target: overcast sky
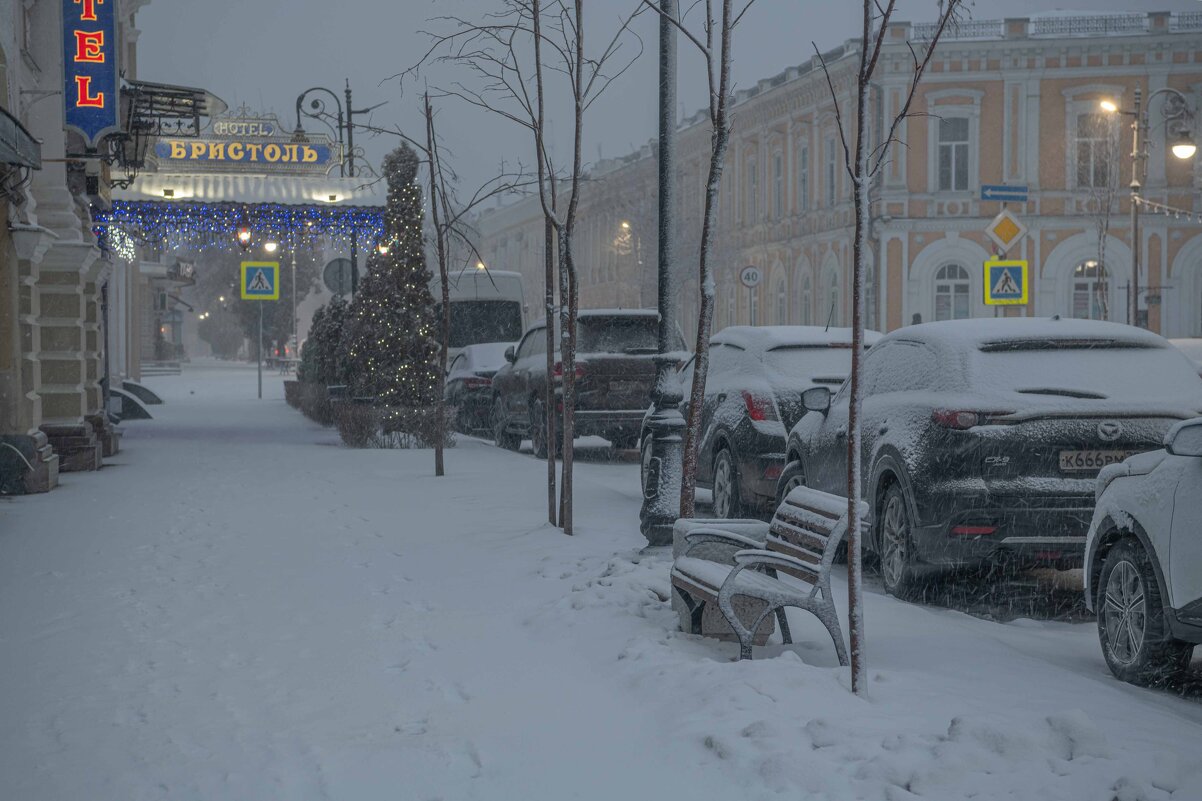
265 52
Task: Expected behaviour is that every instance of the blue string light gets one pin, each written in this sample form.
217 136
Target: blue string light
214 226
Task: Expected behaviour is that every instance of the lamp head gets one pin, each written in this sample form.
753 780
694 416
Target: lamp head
270 246
1109 106
1183 146
244 237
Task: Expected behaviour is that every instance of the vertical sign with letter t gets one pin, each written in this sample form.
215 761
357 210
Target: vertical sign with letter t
90 93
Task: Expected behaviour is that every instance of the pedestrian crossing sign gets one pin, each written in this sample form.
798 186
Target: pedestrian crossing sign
1006 283
260 280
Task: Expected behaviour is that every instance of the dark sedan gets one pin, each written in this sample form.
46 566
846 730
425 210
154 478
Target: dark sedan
614 374
469 384
753 394
982 438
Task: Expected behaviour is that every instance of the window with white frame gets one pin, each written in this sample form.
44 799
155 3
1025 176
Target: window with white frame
803 178
1097 150
953 154
782 304
1091 291
953 290
778 186
730 305
753 306
806 312
832 171
753 191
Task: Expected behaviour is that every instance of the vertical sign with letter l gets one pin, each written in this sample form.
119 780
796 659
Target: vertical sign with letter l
90 92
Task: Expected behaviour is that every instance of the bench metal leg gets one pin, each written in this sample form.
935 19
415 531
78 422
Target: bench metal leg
830 619
786 635
696 610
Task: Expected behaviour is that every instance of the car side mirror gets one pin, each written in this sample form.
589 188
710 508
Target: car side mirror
1185 438
816 399
510 355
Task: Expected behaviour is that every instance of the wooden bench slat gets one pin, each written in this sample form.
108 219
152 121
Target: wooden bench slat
798 536
786 547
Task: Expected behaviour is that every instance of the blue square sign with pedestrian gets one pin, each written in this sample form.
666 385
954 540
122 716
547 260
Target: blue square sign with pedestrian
260 280
1006 283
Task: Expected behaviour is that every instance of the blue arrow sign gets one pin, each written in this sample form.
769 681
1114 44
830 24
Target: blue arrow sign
1011 194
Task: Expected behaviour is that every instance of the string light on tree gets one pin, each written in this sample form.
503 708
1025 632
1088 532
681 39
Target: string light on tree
388 346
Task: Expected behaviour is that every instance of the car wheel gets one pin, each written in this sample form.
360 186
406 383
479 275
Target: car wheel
1131 622
727 503
790 478
897 558
500 435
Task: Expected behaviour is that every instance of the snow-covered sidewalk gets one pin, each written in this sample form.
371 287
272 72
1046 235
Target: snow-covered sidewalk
240 608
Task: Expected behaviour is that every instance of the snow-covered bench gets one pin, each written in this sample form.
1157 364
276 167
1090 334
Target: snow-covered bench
801 543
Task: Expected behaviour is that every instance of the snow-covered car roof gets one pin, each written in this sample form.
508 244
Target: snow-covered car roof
485 355
979 333
586 313
761 338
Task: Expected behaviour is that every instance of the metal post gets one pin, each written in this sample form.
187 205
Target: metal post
350 133
1136 122
354 260
260 350
661 494
295 328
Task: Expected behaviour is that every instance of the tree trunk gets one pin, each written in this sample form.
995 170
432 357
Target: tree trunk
441 249
549 388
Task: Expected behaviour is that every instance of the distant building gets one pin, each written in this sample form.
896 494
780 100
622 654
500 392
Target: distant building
1013 102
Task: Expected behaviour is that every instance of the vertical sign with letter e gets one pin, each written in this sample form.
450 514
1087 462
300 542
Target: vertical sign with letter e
90 94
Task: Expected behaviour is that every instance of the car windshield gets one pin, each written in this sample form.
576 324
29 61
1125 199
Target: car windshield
619 334
1083 371
475 321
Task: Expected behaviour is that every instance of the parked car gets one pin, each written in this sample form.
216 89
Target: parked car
469 384
982 438
1143 559
757 375
614 374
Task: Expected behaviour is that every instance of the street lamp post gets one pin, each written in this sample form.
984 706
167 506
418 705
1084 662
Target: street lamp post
663 456
344 121
1177 116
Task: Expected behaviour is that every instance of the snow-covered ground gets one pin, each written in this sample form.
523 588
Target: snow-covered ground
240 608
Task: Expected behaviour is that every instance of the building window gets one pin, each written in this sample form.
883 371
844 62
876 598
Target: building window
782 304
803 178
1091 291
807 301
753 191
953 154
730 305
778 186
1095 150
952 293
753 306
831 171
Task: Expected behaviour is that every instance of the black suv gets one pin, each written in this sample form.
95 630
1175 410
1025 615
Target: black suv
982 439
614 374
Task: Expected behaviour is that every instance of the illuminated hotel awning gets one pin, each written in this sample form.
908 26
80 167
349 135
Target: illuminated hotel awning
287 190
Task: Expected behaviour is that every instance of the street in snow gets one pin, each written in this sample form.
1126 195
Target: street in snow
239 607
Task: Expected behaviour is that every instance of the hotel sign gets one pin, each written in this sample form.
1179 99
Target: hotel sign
90 68
248 146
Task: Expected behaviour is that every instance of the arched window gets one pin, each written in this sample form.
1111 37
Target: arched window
952 293
830 303
730 305
806 312
1091 291
782 304
753 306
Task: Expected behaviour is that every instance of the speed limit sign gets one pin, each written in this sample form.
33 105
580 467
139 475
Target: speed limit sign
751 276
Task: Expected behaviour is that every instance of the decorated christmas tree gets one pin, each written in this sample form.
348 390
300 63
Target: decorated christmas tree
389 345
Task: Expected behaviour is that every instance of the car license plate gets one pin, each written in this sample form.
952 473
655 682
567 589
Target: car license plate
1089 461
625 386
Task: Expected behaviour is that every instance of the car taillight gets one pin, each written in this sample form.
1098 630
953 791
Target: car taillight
759 408
973 531
477 383
557 372
773 471
960 420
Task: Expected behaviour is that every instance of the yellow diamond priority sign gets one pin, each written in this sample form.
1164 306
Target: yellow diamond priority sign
260 280
1006 230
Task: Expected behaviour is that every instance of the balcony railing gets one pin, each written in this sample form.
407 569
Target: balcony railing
968 29
1100 25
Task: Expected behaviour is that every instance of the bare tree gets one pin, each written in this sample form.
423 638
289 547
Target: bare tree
714 43
511 55
863 162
